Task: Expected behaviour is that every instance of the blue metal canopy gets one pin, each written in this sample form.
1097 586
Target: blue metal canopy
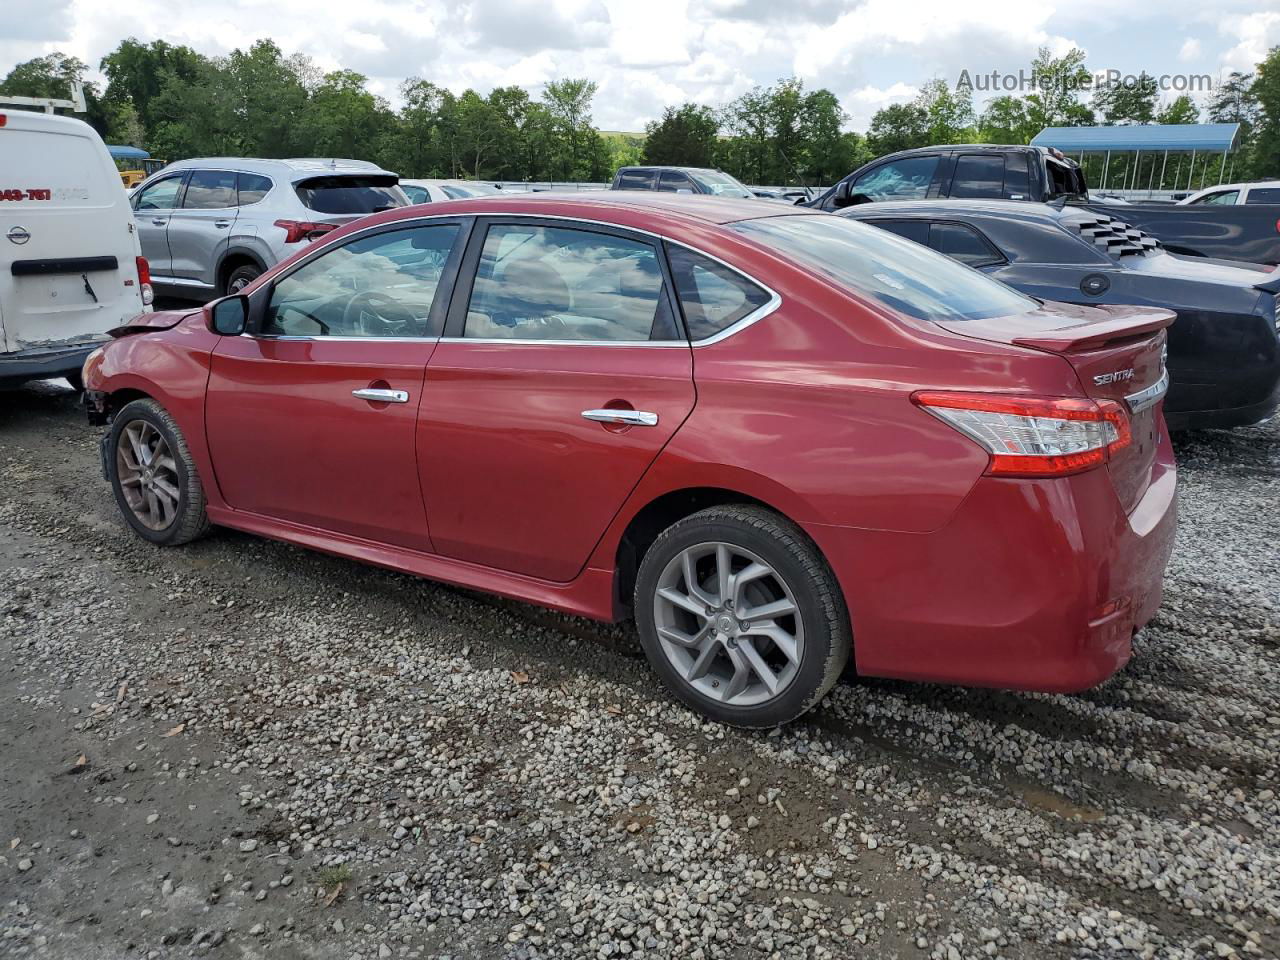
1185 137
126 153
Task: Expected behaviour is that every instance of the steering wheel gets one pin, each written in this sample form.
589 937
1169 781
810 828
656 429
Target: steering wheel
374 314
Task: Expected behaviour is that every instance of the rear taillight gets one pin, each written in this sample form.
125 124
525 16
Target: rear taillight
1033 436
144 280
299 230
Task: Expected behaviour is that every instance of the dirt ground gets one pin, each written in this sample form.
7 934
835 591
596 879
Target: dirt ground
243 749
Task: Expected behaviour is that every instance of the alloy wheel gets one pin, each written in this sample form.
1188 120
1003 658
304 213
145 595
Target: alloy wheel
148 474
728 623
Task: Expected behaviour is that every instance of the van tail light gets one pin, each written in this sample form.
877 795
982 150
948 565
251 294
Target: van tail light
299 230
144 280
1034 436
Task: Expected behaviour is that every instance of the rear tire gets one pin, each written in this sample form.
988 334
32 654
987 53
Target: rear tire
241 277
760 635
153 476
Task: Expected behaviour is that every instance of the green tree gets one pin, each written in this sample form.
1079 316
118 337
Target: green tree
685 136
1265 162
1056 100
1005 121
137 72
948 115
568 103
343 119
51 77
1180 110
268 96
899 126
1126 103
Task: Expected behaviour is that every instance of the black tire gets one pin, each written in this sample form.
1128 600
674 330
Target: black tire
76 379
241 277
189 520
782 546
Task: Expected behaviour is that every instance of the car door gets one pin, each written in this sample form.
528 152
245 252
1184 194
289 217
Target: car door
152 209
562 376
311 415
200 229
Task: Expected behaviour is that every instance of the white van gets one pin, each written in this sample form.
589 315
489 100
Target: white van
70 264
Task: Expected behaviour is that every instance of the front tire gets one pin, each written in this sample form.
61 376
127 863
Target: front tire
241 277
741 616
153 476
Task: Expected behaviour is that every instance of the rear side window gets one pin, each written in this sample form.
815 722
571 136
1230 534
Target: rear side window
210 190
1017 177
635 180
1263 195
916 231
349 194
252 187
672 181
1222 197
961 242
161 195
978 175
712 296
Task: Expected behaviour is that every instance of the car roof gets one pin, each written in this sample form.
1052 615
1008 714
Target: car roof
668 166
296 167
1247 185
637 209
929 209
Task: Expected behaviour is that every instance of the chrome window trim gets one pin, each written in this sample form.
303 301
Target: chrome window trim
773 303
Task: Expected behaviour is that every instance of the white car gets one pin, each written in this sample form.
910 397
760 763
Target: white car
71 267
1233 194
431 191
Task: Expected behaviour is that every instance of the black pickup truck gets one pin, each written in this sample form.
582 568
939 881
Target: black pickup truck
985 171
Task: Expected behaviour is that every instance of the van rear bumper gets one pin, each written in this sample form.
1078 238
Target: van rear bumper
42 363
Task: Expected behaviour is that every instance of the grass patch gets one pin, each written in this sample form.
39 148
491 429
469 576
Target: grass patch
329 877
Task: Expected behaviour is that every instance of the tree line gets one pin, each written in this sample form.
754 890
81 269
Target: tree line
178 103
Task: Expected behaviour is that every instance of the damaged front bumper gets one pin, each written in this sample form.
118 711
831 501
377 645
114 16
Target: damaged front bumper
46 362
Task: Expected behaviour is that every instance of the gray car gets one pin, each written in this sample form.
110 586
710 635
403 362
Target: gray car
211 226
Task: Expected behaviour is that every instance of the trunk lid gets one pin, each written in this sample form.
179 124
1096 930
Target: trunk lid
1117 353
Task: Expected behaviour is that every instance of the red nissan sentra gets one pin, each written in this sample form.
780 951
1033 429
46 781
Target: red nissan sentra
777 438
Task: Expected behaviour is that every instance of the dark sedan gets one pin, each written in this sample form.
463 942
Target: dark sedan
1224 348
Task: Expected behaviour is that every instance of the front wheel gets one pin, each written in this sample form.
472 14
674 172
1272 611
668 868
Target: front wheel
153 476
241 277
741 617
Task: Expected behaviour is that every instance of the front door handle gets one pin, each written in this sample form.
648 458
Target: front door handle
376 395
222 223
160 223
629 418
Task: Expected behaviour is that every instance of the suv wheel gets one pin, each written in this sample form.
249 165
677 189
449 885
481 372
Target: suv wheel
241 277
741 617
153 476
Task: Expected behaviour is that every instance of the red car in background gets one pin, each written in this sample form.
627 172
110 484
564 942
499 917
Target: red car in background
777 438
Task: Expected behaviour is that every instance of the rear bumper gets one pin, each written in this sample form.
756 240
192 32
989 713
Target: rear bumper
1032 585
1223 407
41 363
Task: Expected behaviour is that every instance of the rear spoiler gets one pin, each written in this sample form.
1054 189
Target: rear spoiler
1270 286
1085 335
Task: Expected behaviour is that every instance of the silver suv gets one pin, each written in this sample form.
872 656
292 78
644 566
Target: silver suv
211 226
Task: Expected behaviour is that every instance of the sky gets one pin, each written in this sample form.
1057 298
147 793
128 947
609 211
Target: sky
647 54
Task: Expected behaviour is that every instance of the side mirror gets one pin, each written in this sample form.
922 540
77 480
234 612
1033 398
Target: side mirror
229 316
841 196
857 198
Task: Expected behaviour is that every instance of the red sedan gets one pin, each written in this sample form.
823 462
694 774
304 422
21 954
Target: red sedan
777 438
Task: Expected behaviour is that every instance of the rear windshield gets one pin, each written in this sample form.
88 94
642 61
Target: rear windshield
902 275
346 194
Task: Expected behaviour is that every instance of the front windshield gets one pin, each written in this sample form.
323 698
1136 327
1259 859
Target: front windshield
720 184
905 276
460 191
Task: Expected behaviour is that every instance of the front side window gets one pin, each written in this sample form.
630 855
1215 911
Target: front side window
350 194
874 263
161 195
978 175
635 180
378 286
906 179
1262 195
210 190
415 193
1225 197
560 283
673 181
721 184
712 296
252 187
963 243
916 231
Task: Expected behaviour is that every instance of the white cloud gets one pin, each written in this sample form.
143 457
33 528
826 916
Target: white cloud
647 55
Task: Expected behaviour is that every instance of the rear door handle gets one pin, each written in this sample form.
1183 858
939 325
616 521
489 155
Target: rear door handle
160 223
631 418
222 223
382 396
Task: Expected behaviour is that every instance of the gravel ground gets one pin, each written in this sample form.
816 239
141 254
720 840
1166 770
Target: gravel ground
243 749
